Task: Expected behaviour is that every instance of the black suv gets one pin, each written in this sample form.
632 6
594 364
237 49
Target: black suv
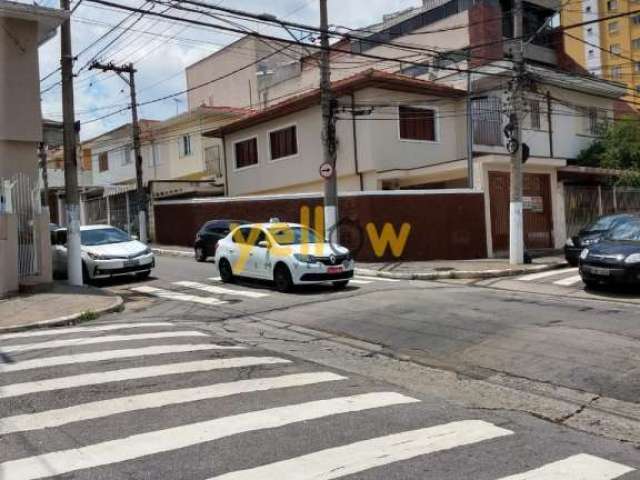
209 234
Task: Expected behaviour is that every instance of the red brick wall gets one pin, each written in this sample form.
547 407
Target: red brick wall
444 226
485 32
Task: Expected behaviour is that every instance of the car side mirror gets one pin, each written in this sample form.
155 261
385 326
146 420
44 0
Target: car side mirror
263 244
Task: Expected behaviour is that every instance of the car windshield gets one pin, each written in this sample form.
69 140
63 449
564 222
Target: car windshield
604 223
103 236
628 232
295 235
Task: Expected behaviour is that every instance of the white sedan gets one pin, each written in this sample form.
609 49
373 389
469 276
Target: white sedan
106 252
287 253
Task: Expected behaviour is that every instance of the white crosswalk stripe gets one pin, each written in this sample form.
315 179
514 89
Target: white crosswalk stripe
140 445
360 282
377 279
83 358
52 384
578 467
75 342
221 290
568 282
357 457
177 296
551 273
93 410
97 328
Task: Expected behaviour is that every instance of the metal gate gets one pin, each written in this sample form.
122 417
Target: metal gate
538 219
26 207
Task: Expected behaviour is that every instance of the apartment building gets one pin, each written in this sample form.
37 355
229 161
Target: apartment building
609 49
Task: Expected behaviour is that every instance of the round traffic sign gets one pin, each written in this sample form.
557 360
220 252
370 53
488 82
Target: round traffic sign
326 170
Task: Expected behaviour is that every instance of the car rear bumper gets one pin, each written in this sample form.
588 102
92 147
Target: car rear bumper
610 274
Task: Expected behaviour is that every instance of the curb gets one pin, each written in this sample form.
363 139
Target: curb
114 307
461 274
172 253
453 274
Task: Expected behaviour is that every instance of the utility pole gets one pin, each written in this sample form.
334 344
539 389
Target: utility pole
42 155
72 196
516 220
135 133
328 131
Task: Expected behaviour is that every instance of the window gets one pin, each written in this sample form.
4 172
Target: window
636 66
590 31
612 5
534 106
636 19
638 88
616 72
283 143
126 155
614 48
246 153
185 145
212 161
595 121
635 43
613 27
103 162
417 124
591 53
587 9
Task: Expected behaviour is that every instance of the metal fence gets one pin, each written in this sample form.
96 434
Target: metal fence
21 197
583 204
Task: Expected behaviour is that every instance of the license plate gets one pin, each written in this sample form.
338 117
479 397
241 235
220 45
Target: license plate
130 263
334 269
603 272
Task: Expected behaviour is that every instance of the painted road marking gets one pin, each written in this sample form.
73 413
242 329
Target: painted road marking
357 457
137 373
81 341
97 328
109 355
568 282
93 410
150 443
215 279
221 290
551 273
582 467
377 279
177 296
359 282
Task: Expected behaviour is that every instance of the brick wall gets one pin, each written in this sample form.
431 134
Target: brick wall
444 226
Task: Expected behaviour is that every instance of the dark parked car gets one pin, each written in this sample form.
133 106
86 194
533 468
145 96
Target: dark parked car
615 259
209 234
592 234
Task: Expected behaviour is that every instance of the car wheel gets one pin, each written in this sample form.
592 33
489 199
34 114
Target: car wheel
341 284
226 273
591 284
282 279
200 254
143 275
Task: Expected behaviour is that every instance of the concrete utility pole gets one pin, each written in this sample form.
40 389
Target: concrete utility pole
42 155
135 133
72 196
516 223
328 131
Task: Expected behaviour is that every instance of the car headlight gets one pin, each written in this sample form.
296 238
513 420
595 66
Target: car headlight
302 258
146 251
584 254
95 256
570 242
633 258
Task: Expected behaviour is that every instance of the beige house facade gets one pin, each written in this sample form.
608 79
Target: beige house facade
25 257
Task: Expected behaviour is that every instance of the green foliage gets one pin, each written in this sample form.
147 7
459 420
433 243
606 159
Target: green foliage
87 316
622 145
631 178
592 155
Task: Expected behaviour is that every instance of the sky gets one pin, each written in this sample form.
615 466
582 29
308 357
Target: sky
160 51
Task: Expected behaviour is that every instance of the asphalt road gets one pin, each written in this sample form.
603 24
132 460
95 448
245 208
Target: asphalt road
172 388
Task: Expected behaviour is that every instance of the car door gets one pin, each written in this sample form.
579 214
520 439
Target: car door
238 252
260 257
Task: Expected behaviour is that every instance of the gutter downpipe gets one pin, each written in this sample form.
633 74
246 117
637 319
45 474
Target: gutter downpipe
355 141
224 160
470 173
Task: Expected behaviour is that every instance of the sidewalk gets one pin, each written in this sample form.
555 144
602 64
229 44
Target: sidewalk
429 270
62 304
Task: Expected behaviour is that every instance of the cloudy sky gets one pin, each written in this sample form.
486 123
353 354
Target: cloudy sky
160 50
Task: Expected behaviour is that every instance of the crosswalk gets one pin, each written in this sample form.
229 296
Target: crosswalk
215 293
565 277
91 391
